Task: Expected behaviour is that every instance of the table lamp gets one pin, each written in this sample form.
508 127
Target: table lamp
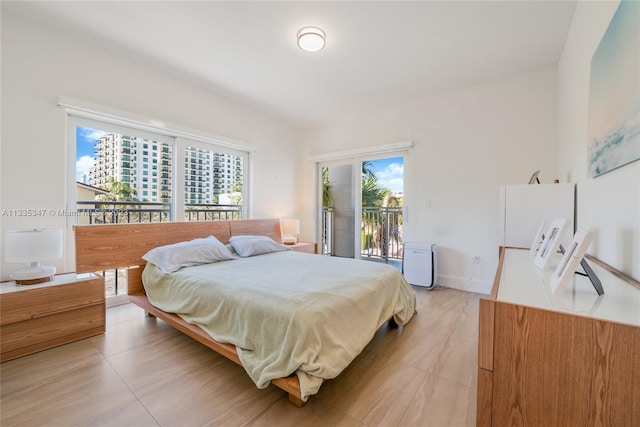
290 229
33 246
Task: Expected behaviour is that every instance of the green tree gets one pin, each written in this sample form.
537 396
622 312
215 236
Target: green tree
118 192
372 193
236 195
236 187
366 169
326 186
383 224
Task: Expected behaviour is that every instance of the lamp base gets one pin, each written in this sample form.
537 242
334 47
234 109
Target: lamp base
289 240
33 275
34 281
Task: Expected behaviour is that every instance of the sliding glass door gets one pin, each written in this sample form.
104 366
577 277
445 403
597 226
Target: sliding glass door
362 206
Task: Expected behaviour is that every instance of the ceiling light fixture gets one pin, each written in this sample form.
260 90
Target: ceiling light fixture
311 39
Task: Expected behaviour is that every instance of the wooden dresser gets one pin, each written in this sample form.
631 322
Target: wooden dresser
557 360
38 317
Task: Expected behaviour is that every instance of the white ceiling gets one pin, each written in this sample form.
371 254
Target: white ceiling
377 52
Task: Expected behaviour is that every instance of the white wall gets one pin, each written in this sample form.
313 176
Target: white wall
609 205
466 144
39 65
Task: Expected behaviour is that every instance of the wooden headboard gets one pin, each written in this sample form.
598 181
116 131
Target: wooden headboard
106 247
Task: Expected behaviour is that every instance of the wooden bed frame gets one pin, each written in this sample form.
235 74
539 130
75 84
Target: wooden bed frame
106 247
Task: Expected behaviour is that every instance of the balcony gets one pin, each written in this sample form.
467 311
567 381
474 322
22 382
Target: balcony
380 230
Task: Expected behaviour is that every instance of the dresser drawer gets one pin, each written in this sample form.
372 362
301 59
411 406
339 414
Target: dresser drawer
39 302
45 332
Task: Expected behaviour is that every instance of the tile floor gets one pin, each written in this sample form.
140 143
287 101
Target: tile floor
142 372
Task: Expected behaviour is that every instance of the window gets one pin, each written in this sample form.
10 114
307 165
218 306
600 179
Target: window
112 186
192 189
205 199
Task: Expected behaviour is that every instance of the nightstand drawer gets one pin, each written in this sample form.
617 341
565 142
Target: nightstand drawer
39 302
45 332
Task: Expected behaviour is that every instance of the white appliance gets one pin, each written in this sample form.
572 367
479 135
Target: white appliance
523 208
419 264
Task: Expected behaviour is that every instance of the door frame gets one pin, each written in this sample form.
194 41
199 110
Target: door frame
355 158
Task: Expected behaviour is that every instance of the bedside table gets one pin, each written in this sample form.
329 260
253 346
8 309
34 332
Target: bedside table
38 317
308 247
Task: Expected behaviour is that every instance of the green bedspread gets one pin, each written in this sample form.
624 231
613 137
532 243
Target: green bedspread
287 312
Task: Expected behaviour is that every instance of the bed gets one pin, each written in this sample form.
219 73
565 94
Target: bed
290 319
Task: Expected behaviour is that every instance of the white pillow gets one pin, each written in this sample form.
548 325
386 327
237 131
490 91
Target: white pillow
247 246
170 258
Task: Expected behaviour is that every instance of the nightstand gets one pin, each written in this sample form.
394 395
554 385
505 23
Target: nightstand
308 247
38 317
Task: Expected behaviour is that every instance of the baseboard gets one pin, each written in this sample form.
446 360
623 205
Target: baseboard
477 286
117 300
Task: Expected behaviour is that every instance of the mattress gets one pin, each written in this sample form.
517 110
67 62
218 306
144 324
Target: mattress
286 312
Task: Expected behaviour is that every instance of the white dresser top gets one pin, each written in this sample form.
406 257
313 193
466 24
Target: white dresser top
59 279
523 283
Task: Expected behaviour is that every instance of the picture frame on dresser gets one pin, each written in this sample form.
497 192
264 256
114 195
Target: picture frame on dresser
550 242
573 256
537 241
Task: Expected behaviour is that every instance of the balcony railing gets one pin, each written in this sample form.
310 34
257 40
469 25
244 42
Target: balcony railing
94 212
381 232
212 212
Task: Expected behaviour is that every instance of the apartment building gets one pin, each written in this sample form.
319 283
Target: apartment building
146 166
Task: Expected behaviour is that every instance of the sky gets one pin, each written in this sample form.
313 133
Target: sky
85 141
390 173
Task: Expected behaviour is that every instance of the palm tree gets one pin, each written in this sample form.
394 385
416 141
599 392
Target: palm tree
366 169
385 225
236 194
372 193
326 186
118 191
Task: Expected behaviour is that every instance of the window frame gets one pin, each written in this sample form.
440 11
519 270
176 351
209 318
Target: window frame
182 143
80 113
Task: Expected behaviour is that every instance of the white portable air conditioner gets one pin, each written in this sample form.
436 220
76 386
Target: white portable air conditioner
419 264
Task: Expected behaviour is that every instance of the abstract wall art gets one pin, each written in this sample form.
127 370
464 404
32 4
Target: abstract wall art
614 94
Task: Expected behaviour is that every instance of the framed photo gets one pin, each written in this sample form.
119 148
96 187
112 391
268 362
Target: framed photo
570 260
537 242
550 242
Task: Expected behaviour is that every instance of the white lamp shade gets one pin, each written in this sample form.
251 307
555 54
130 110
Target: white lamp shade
290 227
33 245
